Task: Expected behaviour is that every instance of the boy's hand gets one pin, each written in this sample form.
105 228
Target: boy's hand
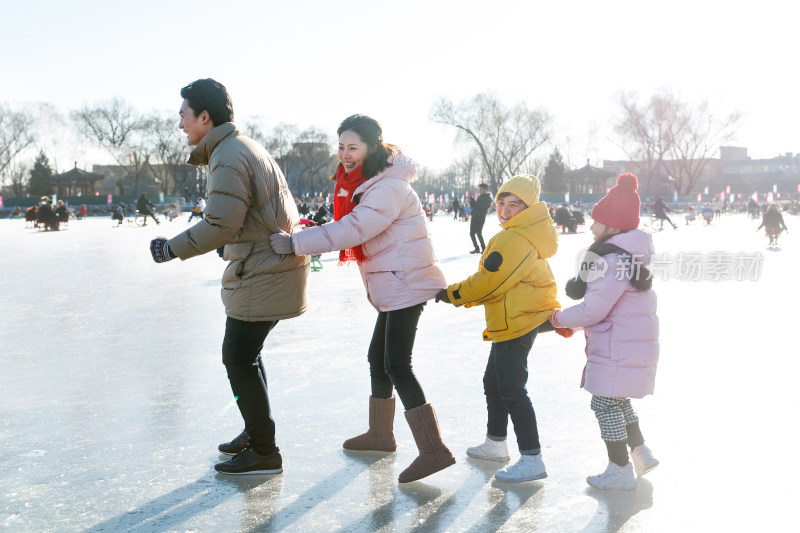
441 296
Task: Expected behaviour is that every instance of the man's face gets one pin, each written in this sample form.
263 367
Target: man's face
195 127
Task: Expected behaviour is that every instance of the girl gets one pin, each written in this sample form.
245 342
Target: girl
618 314
379 223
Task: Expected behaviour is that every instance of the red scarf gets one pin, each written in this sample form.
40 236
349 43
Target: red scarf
343 204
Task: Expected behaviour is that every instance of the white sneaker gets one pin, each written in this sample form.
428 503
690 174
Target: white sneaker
614 478
528 468
491 450
643 460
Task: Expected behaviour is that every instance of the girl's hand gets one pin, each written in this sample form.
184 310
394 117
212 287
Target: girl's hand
565 332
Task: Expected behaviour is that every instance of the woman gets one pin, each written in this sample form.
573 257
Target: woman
379 223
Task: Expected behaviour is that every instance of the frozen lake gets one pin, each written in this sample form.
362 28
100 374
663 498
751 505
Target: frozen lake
114 397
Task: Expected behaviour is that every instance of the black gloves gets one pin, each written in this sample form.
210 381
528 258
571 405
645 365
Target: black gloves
160 250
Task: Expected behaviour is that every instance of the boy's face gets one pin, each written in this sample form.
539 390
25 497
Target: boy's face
508 206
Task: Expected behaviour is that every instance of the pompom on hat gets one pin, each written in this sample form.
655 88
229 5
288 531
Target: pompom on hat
526 187
620 207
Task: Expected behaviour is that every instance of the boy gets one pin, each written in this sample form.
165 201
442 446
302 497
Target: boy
516 287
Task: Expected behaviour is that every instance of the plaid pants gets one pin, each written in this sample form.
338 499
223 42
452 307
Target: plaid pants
613 414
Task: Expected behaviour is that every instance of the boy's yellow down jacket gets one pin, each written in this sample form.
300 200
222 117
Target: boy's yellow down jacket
514 282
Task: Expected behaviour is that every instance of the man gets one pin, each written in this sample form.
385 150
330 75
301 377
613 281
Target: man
248 200
143 205
479 208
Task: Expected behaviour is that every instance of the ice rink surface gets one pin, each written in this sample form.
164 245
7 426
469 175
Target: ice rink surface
114 397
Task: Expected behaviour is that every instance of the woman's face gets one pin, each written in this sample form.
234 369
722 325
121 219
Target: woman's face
352 150
600 230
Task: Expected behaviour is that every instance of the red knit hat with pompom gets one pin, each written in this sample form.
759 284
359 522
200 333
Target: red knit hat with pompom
620 207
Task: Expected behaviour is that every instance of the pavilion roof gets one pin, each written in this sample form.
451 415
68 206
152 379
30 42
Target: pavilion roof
76 174
589 172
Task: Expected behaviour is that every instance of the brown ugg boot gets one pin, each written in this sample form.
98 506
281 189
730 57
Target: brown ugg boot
433 454
380 435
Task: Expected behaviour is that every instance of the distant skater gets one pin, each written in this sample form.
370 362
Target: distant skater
143 205
197 209
660 209
773 224
618 317
478 209
118 213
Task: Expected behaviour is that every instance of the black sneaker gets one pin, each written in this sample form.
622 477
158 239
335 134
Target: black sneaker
252 462
475 251
237 445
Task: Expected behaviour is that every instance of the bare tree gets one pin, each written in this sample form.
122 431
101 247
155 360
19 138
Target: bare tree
120 130
696 141
16 134
466 173
279 144
666 138
305 157
312 161
18 175
170 151
255 128
505 139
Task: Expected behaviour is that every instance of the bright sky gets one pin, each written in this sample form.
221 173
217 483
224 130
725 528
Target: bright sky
313 63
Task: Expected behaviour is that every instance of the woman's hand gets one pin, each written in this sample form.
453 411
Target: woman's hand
282 243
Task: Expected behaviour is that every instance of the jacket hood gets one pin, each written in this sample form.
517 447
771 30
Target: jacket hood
202 152
637 242
403 167
535 224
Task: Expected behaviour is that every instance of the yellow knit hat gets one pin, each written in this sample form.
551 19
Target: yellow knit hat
526 187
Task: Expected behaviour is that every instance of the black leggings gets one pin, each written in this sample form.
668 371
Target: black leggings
390 356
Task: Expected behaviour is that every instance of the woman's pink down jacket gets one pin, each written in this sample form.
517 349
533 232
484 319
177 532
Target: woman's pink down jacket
399 268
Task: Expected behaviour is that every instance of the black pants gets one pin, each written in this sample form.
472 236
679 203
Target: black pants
505 386
241 355
390 356
476 230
